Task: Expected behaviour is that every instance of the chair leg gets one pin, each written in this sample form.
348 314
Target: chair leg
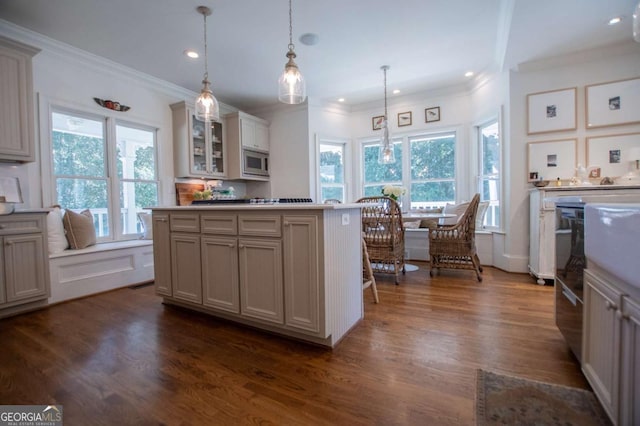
478 260
476 264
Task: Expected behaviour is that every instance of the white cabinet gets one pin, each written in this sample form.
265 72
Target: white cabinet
265 266
16 93
611 347
245 132
24 271
543 226
220 273
162 254
199 147
261 279
301 272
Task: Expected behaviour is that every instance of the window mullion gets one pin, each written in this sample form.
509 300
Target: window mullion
113 187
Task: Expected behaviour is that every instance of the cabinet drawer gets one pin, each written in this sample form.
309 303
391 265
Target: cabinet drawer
260 225
184 222
226 224
21 224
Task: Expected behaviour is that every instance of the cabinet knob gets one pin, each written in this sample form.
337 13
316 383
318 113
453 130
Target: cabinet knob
9 243
610 306
241 245
287 224
232 245
2 226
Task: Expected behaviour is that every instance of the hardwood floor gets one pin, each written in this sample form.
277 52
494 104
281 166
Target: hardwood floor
124 358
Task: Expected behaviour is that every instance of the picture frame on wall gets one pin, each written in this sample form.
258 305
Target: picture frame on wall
404 119
613 103
615 155
376 122
432 114
552 111
552 159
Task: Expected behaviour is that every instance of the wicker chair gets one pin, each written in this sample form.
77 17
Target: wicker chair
454 246
384 235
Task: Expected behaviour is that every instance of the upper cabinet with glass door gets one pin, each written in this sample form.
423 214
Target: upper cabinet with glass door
199 148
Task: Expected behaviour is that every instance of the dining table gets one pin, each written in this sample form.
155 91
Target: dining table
417 214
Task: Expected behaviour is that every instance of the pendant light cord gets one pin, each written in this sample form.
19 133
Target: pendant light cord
385 93
290 28
206 60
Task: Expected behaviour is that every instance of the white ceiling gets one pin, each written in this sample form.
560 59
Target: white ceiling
428 43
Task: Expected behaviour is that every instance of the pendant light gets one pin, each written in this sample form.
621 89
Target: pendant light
291 85
207 108
386 154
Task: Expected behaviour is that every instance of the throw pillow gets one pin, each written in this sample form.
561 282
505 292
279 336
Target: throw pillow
145 218
55 231
457 209
482 210
79 227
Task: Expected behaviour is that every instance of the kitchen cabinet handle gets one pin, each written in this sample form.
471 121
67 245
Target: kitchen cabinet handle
9 243
161 219
232 245
287 224
610 305
2 226
241 246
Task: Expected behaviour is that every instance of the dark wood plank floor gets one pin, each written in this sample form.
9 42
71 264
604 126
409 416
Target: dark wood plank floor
124 358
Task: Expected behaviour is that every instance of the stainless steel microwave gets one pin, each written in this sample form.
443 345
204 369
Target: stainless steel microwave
255 163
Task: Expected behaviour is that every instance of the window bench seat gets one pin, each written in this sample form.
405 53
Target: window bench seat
416 245
99 268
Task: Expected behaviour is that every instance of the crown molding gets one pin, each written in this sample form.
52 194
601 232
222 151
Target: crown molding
94 62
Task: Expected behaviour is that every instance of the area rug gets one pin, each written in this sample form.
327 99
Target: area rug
504 400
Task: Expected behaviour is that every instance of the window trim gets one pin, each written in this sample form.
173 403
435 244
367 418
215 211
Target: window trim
46 107
344 143
480 177
404 139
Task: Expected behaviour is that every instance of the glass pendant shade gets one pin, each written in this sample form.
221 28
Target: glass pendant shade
386 154
207 107
291 86
636 23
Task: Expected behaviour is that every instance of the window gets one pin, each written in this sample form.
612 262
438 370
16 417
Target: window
376 175
113 176
433 170
428 172
332 171
489 181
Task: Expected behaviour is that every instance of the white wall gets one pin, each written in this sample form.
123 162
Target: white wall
612 63
289 151
71 77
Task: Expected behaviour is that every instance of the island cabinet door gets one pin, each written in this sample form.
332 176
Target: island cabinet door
601 341
186 279
220 274
301 273
162 254
261 284
630 373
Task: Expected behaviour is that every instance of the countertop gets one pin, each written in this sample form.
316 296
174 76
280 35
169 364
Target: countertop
275 206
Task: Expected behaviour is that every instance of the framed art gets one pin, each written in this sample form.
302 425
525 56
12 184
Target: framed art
404 119
376 122
549 160
552 111
613 103
432 114
615 155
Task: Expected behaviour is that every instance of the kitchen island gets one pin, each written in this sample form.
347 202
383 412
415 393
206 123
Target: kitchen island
292 269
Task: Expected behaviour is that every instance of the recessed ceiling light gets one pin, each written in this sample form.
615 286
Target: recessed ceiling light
309 39
615 20
396 91
341 100
468 74
191 53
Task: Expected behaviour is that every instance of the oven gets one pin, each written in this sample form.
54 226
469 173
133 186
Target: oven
570 263
255 162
